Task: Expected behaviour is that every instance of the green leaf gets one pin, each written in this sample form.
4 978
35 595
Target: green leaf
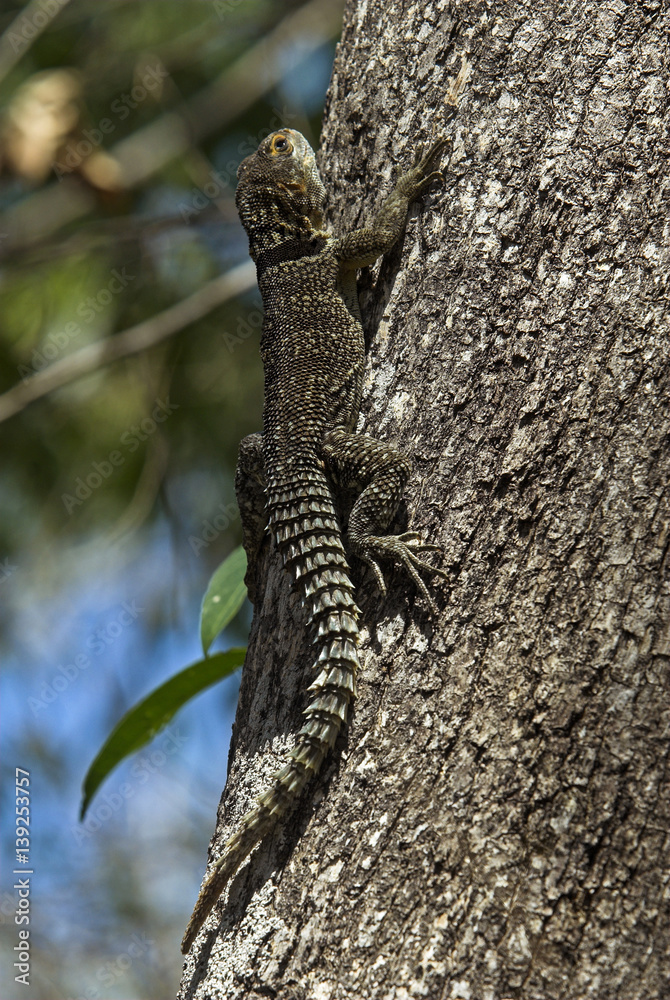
150 715
224 598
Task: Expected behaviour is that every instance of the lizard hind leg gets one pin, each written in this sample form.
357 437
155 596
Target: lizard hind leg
250 491
380 473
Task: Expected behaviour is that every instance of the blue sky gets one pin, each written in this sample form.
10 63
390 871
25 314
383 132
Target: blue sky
81 660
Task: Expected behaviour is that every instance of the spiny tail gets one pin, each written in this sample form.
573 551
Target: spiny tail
305 527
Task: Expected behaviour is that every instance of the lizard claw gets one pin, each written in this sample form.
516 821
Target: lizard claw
402 548
425 162
376 569
421 175
414 536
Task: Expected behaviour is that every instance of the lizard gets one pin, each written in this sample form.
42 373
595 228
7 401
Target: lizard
288 477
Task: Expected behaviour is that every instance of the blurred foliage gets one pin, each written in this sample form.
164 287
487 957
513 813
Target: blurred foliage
126 473
135 253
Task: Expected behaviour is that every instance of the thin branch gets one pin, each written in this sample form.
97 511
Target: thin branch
96 233
122 345
15 43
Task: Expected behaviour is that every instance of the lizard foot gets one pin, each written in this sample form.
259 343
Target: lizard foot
402 548
421 175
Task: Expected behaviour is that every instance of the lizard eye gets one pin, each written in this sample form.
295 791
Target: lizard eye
280 144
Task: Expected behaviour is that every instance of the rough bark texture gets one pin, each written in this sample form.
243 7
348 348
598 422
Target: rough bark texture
495 821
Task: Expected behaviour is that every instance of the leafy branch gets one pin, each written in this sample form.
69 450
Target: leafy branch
224 598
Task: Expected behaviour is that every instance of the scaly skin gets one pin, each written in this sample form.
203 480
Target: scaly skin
313 355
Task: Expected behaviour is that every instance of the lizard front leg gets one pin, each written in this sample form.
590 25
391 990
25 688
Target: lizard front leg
380 473
250 493
362 247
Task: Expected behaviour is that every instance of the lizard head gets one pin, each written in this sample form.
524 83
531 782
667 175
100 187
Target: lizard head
280 185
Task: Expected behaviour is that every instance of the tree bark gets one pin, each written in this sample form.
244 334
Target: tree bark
494 823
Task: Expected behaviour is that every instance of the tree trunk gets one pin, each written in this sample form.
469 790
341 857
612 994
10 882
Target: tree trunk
494 823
